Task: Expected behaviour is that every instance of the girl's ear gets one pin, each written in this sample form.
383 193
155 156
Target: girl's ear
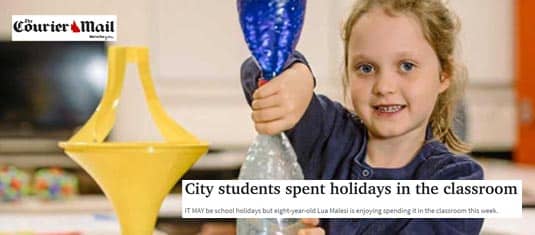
444 82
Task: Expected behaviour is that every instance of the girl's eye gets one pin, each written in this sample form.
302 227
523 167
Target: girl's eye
406 66
365 68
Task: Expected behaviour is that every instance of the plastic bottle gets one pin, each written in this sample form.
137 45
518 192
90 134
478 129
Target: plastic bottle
270 157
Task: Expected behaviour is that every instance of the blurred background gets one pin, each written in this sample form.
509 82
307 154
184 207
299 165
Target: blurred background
50 89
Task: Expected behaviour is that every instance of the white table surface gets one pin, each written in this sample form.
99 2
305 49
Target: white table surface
89 204
88 214
61 223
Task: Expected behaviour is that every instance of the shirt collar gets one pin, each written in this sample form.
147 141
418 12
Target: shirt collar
429 148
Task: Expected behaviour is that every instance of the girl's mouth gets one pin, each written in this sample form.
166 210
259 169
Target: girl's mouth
388 109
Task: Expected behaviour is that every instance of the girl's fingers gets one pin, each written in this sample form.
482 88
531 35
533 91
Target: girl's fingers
270 88
273 127
266 102
310 221
279 104
311 228
311 231
268 115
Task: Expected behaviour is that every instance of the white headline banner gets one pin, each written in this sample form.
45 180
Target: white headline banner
351 198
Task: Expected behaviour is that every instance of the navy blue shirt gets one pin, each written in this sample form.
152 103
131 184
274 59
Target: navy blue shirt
330 143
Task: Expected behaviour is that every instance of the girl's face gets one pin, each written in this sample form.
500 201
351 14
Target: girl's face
394 74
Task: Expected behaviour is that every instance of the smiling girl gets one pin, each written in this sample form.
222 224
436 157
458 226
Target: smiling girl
403 81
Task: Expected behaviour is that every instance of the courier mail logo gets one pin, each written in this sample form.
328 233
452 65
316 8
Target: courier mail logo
64 28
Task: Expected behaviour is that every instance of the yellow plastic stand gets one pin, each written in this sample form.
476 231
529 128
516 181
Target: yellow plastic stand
135 176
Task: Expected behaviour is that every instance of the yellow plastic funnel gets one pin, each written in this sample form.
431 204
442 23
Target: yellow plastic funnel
136 176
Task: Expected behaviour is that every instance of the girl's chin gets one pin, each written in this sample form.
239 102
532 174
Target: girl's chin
383 136
385 132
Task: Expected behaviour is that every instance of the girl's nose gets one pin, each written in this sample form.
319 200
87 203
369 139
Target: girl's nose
385 83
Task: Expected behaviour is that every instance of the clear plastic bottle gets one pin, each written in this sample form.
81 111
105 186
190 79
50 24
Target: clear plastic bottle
270 157
271 29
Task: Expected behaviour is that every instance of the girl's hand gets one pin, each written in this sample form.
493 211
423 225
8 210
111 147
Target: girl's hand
312 228
279 104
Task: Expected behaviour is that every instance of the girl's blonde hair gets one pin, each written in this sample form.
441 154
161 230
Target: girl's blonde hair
440 27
